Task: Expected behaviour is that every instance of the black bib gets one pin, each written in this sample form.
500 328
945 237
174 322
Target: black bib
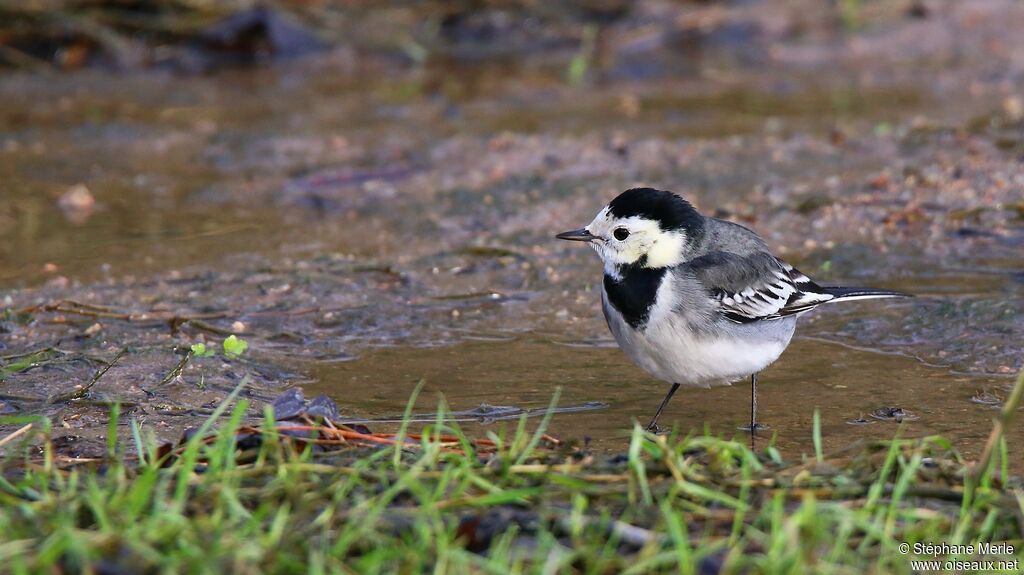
633 295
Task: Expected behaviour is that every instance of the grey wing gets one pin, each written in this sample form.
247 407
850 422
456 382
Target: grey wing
755 287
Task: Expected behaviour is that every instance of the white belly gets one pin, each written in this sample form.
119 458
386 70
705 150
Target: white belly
686 359
670 350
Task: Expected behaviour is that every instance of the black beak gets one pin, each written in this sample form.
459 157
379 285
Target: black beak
580 235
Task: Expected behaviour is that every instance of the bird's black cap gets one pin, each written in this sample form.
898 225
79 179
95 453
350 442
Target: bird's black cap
668 209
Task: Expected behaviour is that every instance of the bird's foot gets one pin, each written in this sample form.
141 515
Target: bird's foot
755 427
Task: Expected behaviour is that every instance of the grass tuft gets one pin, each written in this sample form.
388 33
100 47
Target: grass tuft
283 497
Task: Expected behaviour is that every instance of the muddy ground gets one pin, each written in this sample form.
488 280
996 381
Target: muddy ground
364 221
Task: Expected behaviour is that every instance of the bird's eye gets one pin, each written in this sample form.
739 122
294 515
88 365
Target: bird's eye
620 233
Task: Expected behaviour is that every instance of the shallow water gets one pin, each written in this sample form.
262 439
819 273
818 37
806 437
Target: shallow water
844 384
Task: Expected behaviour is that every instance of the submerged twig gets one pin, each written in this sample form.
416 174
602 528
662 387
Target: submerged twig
80 392
177 369
484 414
16 434
16 397
204 326
73 307
27 362
27 353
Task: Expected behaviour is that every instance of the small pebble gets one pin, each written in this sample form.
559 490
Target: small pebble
77 203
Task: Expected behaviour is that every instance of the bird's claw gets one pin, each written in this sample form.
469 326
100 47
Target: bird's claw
754 428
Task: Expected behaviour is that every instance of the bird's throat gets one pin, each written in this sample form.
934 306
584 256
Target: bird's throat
632 291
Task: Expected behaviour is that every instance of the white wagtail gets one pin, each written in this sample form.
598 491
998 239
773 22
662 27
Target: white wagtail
694 300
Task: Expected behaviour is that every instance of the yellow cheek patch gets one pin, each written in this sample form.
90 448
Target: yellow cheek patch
667 250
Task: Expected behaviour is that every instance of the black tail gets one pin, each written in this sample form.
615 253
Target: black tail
846 293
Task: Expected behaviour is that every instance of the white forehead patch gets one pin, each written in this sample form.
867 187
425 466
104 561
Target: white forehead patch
600 220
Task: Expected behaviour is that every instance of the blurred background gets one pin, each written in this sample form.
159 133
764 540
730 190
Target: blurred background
367 192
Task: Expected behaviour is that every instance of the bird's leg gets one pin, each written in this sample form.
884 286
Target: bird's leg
753 401
653 425
754 425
